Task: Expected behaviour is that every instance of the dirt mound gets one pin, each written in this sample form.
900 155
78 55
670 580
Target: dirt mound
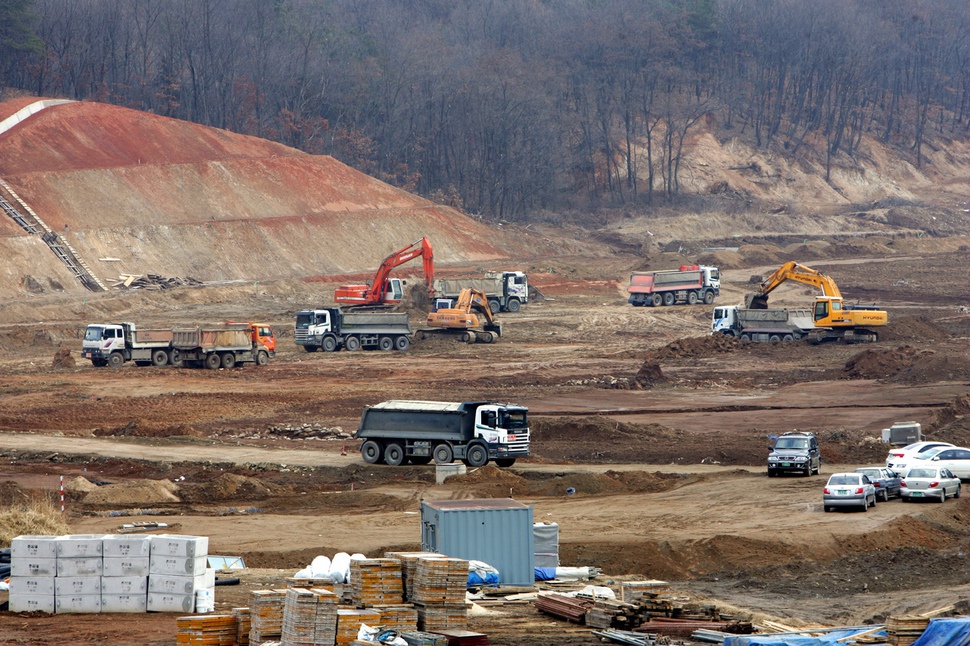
761 254
63 358
227 486
80 484
649 375
698 346
932 367
137 492
882 364
492 482
722 259
416 302
913 328
809 250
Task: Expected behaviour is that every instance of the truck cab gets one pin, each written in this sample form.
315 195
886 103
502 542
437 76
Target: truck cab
724 319
505 426
515 288
101 339
313 325
261 335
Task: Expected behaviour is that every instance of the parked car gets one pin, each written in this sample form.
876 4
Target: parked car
930 482
886 481
797 452
848 490
955 459
898 458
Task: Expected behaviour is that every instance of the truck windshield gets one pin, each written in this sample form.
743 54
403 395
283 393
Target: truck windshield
719 313
93 333
304 320
515 419
715 274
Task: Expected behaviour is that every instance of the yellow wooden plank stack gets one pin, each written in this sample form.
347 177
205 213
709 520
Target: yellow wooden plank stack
349 621
905 629
212 630
409 568
439 593
243 625
375 582
309 618
266 615
400 617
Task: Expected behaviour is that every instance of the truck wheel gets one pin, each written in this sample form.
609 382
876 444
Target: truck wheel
212 361
402 343
774 338
788 337
329 344
669 298
494 306
311 348
370 451
159 358
352 344
116 360
745 336
708 298
394 454
385 343
262 358
513 305
228 360
505 463
443 454
99 363
476 455
656 300
692 298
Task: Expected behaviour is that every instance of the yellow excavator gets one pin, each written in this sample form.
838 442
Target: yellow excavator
470 319
834 320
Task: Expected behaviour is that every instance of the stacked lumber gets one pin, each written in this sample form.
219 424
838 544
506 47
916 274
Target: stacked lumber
568 608
680 627
417 638
633 591
903 630
350 620
217 630
399 617
375 582
266 615
439 593
464 638
151 281
243 625
409 568
608 613
309 617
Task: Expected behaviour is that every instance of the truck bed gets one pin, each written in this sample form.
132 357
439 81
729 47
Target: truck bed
212 339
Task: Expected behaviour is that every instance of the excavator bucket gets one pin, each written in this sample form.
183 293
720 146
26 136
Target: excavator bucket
495 328
756 301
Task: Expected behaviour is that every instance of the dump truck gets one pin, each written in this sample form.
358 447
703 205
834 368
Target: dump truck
506 291
224 347
397 432
113 344
690 284
331 328
779 324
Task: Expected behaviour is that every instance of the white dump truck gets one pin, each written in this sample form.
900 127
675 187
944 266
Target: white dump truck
331 328
778 324
507 291
112 344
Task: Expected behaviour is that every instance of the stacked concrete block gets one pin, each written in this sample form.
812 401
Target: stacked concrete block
309 618
33 567
124 575
177 572
77 586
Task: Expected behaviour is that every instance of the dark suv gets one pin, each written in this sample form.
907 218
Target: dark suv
795 452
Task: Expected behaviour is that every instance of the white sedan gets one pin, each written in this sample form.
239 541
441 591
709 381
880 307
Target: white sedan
899 459
935 483
955 459
848 490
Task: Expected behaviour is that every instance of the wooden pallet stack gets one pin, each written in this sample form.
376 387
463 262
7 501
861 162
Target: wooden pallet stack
375 582
309 618
400 617
633 591
243 625
409 567
608 613
350 620
266 615
439 593
214 630
905 629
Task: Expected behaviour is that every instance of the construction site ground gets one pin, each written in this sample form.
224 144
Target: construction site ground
649 441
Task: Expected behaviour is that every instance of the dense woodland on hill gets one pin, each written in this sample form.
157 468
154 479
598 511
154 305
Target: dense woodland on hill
512 107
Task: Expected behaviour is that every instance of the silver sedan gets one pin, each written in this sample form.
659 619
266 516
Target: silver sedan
848 490
935 483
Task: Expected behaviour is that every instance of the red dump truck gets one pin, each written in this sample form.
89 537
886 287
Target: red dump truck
690 284
224 347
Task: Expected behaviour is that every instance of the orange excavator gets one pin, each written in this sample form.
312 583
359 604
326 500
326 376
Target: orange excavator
470 319
384 290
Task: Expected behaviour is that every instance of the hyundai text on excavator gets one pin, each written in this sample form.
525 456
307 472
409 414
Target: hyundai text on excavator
384 290
470 319
834 320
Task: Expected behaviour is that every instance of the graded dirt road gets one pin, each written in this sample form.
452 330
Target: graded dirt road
667 472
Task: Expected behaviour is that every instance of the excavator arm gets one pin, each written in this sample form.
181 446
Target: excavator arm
791 270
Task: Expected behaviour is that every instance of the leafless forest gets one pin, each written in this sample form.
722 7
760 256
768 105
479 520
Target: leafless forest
510 108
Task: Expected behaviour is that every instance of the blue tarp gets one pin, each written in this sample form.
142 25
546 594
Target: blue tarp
828 639
545 573
946 632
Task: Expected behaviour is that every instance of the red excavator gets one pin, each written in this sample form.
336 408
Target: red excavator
385 290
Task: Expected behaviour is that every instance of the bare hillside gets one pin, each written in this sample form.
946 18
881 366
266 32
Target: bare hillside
157 195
